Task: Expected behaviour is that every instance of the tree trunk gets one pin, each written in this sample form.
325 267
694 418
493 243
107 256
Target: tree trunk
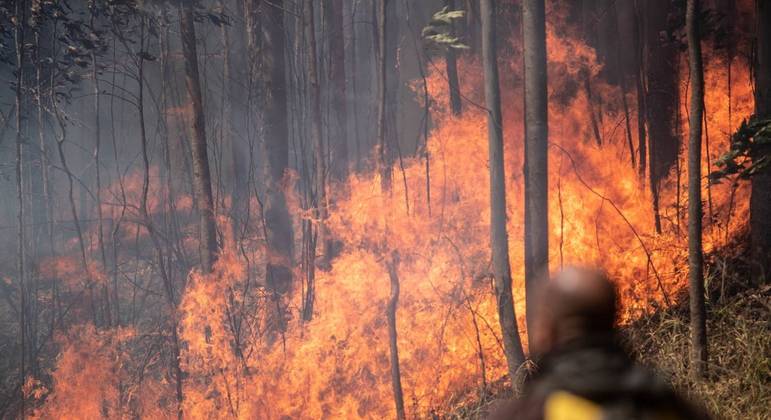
201 175
473 23
384 169
355 87
629 66
383 163
393 84
45 168
20 14
340 160
640 89
536 157
760 201
695 256
662 96
451 64
321 207
238 156
622 59
512 346
98 172
393 303
275 147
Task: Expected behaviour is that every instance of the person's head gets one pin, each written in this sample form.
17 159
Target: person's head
576 303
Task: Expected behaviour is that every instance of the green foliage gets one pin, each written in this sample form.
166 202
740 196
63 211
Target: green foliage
750 151
439 32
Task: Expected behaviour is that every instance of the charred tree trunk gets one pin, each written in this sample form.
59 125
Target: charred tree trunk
20 15
275 149
639 78
337 75
97 169
384 169
45 168
239 156
393 303
628 67
473 24
760 201
383 163
321 207
536 157
499 238
355 87
392 45
451 65
662 96
624 57
201 174
695 252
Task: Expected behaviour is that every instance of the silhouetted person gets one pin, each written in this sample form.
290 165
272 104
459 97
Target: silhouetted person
583 373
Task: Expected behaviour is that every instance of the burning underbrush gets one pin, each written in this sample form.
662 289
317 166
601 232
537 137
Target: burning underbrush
740 340
236 362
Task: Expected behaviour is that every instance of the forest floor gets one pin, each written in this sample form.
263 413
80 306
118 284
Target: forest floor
738 384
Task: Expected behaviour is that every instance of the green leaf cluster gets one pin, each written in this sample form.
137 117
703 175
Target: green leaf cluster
439 32
750 151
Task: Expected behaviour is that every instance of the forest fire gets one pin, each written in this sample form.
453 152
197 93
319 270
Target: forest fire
224 344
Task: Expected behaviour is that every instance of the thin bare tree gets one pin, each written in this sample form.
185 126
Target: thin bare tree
695 211
270 29
382 146
333 16
200 157
451 66
536 157
393 302
499 244
322 206
662 97
20 17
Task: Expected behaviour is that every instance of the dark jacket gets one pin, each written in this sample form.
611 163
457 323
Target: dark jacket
594 378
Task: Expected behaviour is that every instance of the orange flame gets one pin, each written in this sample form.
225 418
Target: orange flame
337 366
